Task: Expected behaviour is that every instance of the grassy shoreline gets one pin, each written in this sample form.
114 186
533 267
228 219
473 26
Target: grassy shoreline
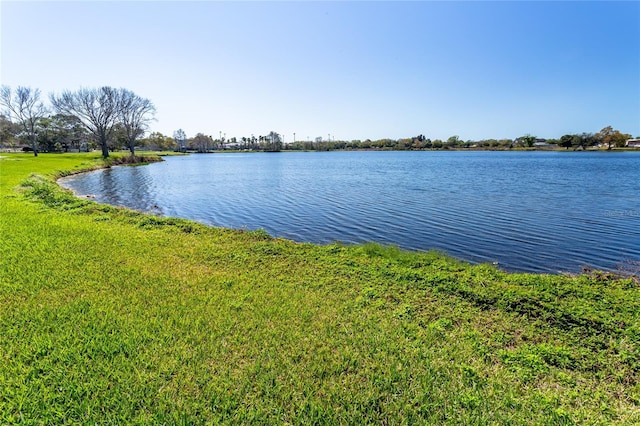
113 316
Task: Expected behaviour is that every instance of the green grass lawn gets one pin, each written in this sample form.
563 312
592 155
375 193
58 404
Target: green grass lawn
108 316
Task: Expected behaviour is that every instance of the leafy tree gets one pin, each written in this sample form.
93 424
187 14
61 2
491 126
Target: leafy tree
158 141
8 131
46 137
584 140
528 140
606 136
118 139
273 142
97 109
576 141
201 142
612 137
506 143
68 129
25 107
135 114
404 143
453 141
566 141
417 142
620 139
59 133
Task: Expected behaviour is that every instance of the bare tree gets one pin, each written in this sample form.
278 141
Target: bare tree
24 106
181 139
135 113
97 109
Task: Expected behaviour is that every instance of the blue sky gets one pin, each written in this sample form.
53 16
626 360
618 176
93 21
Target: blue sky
354 70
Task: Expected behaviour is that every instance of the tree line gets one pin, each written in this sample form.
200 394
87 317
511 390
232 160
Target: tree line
606 138
272 142
110 119
75 118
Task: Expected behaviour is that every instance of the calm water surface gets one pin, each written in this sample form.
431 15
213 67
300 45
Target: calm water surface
536 211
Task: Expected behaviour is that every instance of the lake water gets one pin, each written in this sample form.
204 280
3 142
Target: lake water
528 211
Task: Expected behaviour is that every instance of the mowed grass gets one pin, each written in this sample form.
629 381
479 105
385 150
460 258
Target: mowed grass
109 316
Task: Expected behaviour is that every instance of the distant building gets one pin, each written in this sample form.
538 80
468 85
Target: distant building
633 143
542 143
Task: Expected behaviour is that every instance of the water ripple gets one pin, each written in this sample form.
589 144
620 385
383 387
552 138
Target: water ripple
539 212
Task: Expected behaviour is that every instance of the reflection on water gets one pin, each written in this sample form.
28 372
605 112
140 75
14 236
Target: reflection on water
106 186
541 211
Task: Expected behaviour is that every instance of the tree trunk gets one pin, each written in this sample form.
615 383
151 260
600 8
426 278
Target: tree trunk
104 139
34 145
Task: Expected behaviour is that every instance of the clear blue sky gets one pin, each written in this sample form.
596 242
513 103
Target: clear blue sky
354 70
